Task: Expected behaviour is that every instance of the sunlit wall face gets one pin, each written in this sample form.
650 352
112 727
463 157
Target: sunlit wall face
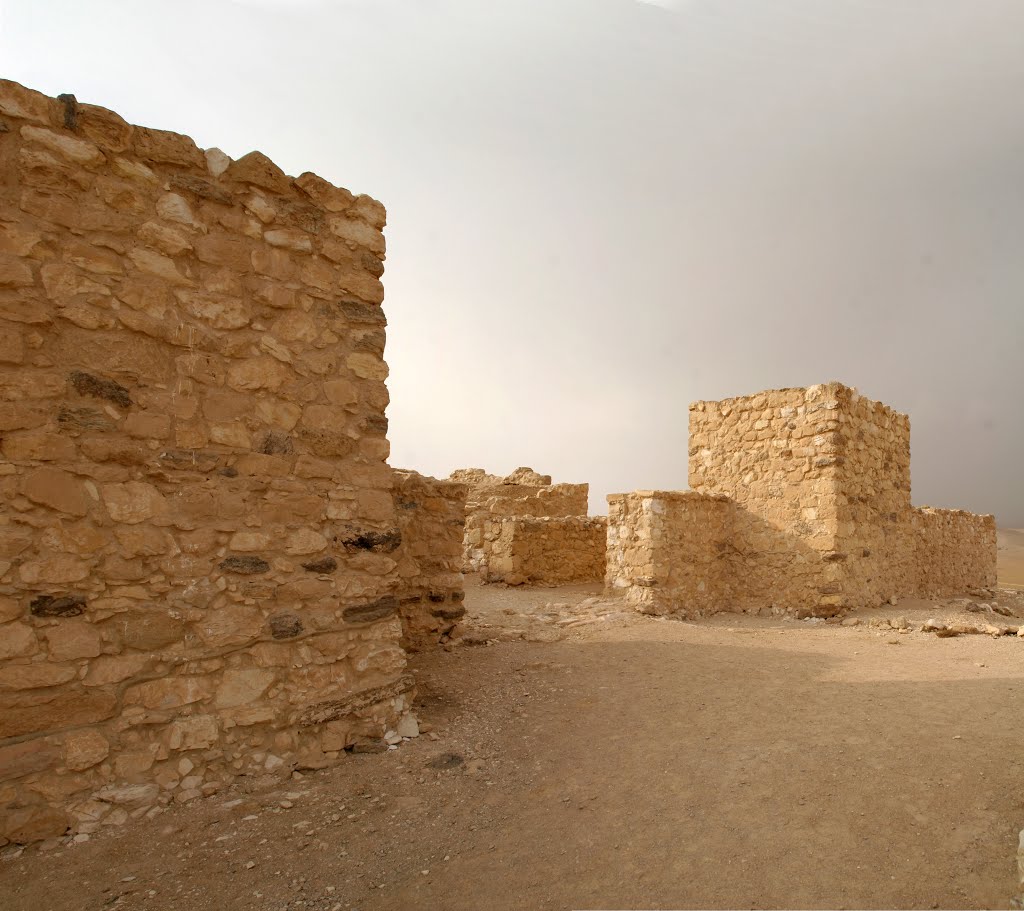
600 210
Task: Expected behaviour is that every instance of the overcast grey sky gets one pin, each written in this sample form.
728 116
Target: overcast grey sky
600 210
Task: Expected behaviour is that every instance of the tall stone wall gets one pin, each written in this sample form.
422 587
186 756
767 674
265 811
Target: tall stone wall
522 493
197 545
528 550
873 520
432 519
777 456
668 551
818 480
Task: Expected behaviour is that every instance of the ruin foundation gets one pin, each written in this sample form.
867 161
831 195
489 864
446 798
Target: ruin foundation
800 503
201 564
522 529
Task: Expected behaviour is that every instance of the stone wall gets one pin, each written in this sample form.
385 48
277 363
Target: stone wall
527 550
953 551
820 517
668 550
197 545
522 493
431 518
777 456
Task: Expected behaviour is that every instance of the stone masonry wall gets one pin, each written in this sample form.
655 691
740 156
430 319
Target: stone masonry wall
197 543
432 519
548 550
667 551
522 493
874 511
953 552
776 455
821 519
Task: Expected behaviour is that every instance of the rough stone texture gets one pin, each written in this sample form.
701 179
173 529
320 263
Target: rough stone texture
523 493
669 548
431 518
800 503
527 550
198 525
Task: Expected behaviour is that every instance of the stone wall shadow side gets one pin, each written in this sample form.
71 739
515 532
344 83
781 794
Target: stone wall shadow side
694 554
431 518
197 547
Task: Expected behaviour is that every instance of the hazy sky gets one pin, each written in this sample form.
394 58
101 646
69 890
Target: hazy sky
600 210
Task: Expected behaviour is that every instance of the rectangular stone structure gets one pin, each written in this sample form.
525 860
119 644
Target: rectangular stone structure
814 514
492 499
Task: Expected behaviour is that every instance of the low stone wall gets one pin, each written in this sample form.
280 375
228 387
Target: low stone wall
431 518
954 552
197 540
667 551
522 493
547 551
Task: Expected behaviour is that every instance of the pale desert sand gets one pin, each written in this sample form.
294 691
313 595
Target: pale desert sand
1011 557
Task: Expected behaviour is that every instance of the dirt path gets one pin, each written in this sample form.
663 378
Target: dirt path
634 763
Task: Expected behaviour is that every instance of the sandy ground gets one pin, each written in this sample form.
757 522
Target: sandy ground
1010 555
584 757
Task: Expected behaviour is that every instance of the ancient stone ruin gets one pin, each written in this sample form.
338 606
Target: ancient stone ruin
203 572
800 503
522 529
207 567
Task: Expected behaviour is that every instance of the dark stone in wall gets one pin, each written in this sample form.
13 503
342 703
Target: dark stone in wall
454 612
285 626
323 565
276 442
375 610
98 387
70 110
246 566
378 541
359 312
57 605
71 419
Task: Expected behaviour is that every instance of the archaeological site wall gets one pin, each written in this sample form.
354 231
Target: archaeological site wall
528 550
199 550
524 493
670 548
431 519
816 516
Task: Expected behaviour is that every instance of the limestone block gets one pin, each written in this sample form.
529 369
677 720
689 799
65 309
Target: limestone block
72 639
84 749
240 687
